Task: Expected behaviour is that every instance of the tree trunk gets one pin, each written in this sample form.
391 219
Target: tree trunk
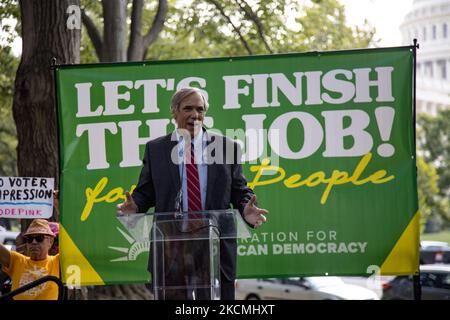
44 35
114 31
139 44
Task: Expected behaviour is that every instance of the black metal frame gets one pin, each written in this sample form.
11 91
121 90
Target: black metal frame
28 286
53 67
417 288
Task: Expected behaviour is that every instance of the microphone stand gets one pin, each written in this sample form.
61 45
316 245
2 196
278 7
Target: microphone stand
178 198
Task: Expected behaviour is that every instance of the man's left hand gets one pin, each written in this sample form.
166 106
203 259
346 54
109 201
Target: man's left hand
254 215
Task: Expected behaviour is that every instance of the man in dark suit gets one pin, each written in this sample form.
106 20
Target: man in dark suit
219 179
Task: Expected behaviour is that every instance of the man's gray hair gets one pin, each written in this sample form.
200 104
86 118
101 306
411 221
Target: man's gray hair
183 93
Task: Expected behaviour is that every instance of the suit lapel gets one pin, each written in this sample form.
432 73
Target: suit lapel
173 167
212 170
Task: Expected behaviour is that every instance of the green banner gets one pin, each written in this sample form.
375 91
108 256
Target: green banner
328 149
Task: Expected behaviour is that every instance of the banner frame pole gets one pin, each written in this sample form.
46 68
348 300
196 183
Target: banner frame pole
417 288
54 67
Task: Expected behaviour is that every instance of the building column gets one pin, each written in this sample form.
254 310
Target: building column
435 67
434 107
419 106
447 69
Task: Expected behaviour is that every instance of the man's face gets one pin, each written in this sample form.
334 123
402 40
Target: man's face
38 246
190 113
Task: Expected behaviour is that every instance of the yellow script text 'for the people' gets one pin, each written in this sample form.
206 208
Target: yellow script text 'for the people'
337 177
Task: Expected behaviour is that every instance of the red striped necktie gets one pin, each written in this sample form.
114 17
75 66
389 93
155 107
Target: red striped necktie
193 183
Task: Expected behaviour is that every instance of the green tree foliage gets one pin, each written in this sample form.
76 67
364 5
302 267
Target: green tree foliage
206 28
9 21
9 27
324 27
428 192
8 139
87 50
433 141
214 28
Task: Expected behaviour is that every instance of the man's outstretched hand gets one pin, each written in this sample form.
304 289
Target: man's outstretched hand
254 215
129 206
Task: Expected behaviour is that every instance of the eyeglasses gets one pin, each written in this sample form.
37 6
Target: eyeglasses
38 238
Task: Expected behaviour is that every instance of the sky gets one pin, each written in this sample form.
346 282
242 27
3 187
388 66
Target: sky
385 15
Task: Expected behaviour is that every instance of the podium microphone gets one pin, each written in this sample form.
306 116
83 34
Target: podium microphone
178 205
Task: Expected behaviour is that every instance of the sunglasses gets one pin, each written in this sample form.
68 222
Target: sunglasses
38 238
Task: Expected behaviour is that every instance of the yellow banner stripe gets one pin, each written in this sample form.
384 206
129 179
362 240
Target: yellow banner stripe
75 268
404 257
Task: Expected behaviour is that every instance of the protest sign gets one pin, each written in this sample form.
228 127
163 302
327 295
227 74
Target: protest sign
26 197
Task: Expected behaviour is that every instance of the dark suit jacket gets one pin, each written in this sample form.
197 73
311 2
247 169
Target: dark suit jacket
160 181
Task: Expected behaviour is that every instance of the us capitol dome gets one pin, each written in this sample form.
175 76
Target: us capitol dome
429 22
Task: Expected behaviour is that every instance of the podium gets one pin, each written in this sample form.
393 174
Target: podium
184 257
